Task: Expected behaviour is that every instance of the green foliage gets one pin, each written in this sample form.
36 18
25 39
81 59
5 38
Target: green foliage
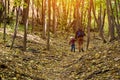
37 3
62 23
1 6
25 5
102 2
17 2
119 14
20 3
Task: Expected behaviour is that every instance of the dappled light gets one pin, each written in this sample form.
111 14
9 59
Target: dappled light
59 40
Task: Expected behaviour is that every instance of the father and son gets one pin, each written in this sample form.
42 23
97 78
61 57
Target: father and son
79 35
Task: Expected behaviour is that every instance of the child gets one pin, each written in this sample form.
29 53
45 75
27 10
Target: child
72 43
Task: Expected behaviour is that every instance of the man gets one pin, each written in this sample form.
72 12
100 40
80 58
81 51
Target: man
79 36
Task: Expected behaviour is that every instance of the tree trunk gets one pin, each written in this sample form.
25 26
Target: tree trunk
54 16
82 9
77 15
100 20
117 11
25 22
37 9
116 18
43 18
49 14
89 24
16 26
113 18
1 11
102 26
111 26
94 13
119 5
70 12
101 23
8 7
5 19
32 15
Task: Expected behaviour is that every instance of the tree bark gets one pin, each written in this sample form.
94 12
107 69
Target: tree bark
114 21
116 18
32 15
102 26
54 16
77 15
89 24
94 13
1 11
111 26
25 22
5 19
82 9
16 26
8 7
43 19
49 19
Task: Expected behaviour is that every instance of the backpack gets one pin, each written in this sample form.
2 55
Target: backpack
80 34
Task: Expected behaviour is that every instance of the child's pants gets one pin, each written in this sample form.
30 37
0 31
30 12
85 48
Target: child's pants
73 47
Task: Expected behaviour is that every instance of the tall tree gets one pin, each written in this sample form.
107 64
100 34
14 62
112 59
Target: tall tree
43 18
49 20
89 23
114 18
8 7
54 16
5 19
16 26
32 15
111 25
82 10
101 24
25 22
77 14
1 10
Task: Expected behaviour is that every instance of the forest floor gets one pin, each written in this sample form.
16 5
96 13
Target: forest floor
100 62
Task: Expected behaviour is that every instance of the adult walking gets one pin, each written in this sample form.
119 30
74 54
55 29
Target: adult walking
79 36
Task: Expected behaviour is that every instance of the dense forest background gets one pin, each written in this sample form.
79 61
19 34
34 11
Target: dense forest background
62 17
35 35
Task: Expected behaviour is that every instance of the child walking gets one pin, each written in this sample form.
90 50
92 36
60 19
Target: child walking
72 43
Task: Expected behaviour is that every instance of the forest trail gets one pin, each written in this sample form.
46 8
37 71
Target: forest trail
54 63
59 63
